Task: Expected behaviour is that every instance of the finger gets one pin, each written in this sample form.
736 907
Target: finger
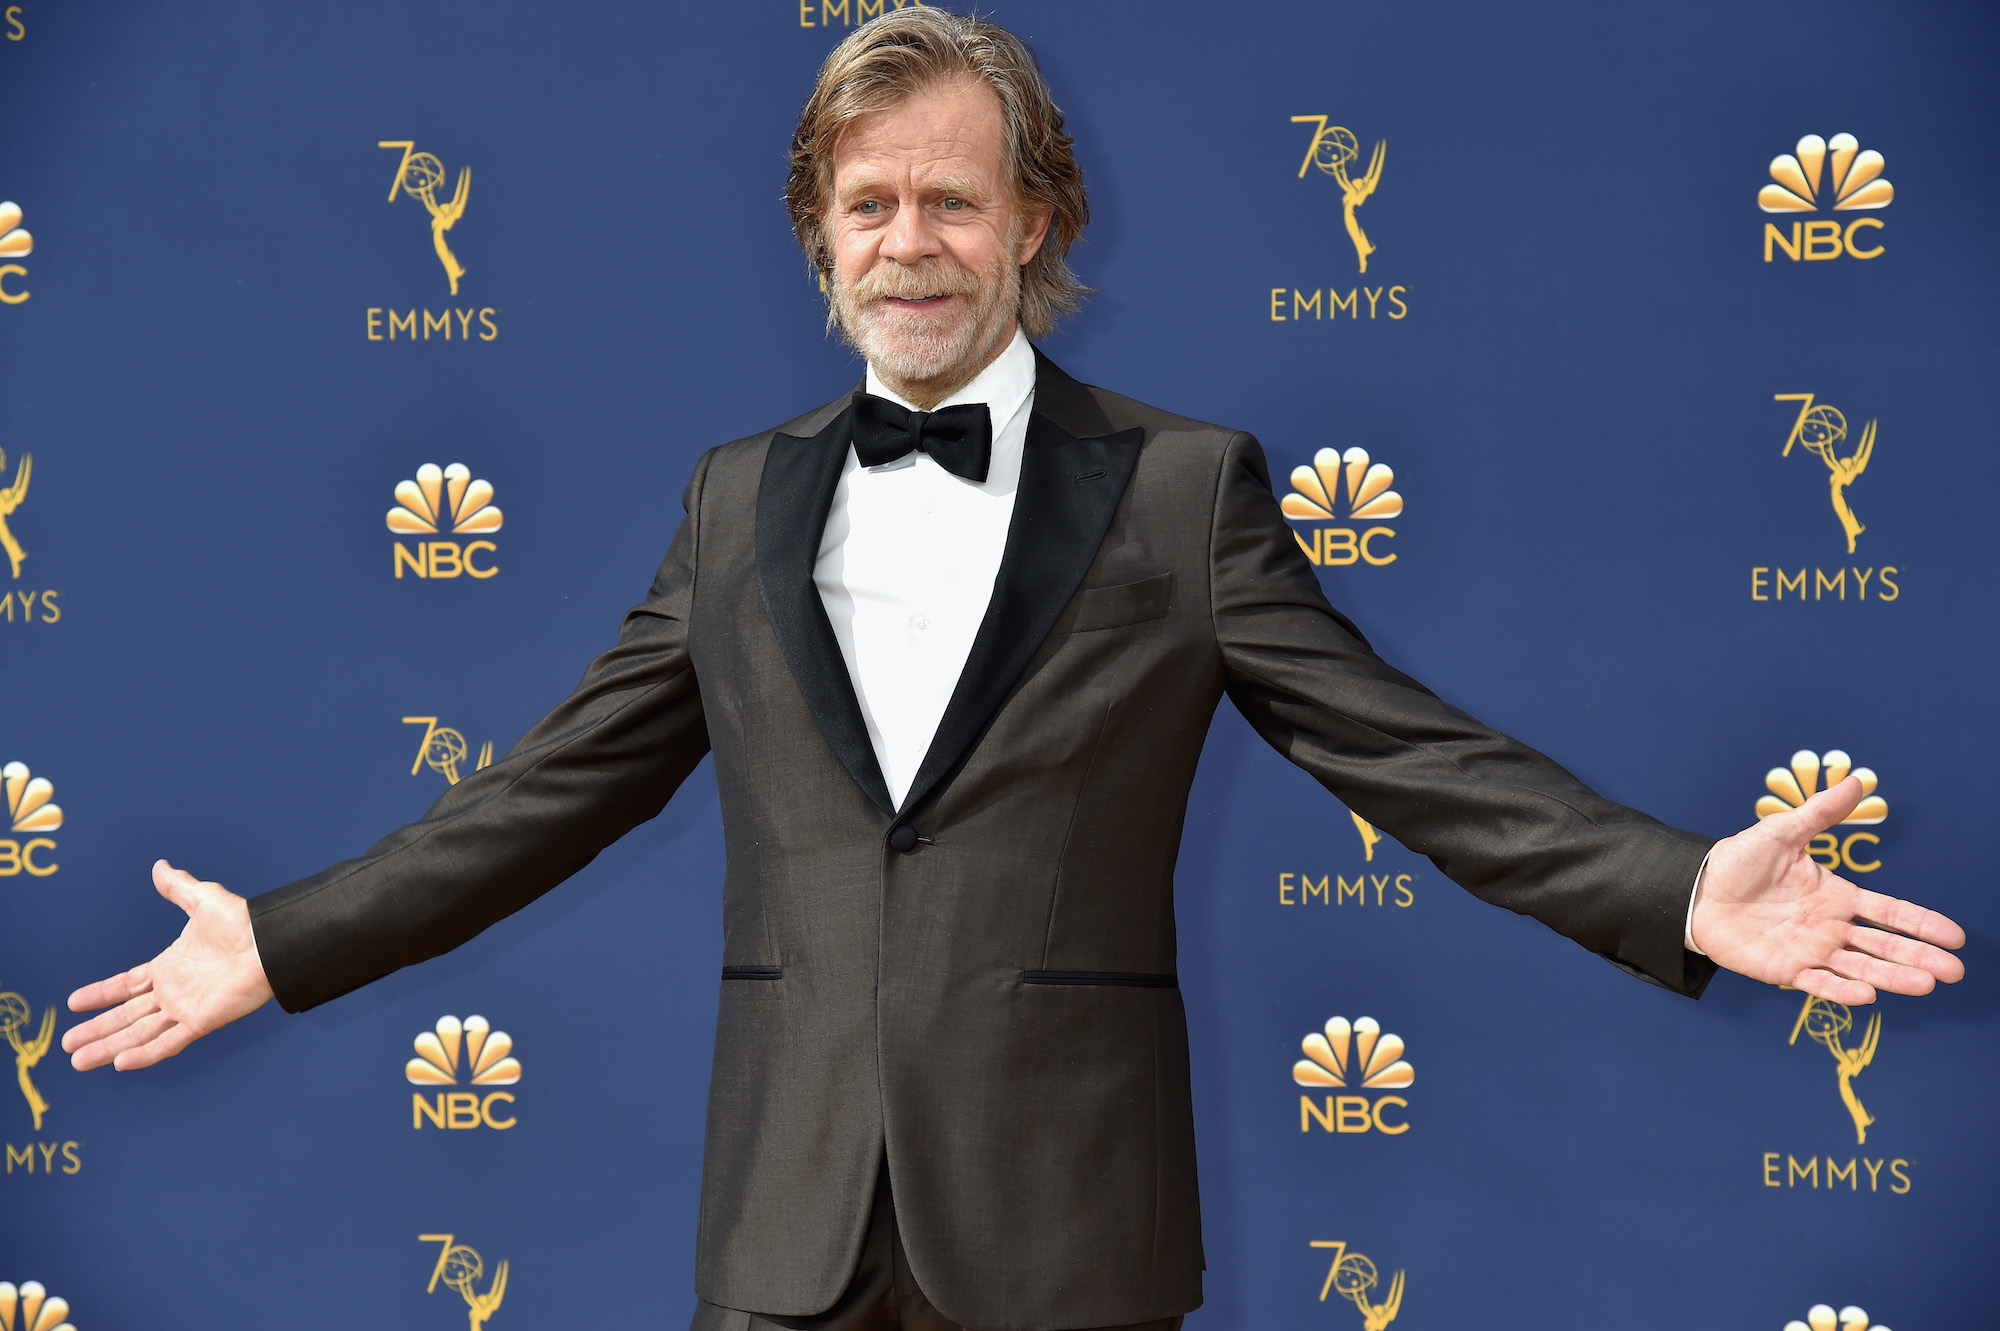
177 885
168 1043
1906 952
104 993
138 1033
1834 988
1881 974
1909 918
1824 810
109 1024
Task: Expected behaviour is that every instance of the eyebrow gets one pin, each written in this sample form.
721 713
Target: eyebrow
961 187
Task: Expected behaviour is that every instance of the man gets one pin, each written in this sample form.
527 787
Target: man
955 642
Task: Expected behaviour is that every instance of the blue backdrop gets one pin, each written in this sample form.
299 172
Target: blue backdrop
227 335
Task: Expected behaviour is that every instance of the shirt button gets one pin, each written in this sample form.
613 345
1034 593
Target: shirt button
922 621
930 505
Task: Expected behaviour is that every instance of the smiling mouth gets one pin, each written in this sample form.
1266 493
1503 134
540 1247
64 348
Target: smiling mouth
916 302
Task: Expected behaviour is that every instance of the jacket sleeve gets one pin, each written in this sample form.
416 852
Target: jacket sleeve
605 760
1496 817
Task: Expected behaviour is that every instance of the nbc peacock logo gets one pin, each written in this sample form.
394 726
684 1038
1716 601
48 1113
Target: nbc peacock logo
31 813
15 243
1350 481
1353 1056
1807 775
1837 175
1822 1317
445 500
455 1053
32 1308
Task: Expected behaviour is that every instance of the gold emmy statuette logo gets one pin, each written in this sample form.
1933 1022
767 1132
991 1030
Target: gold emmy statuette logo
1333 149
442 749
10 499
420 176
1853 184
1351 1276
15 243
456 1053
444 499
460 1267
1825 1022
31 808
16 1015
1820 431
1369 836
1821 1317
1317 494
1357 1056
32 1308
1792 786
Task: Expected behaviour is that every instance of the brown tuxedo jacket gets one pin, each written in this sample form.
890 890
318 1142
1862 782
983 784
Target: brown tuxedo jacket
980 984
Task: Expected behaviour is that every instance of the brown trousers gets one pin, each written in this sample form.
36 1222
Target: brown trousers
881 1295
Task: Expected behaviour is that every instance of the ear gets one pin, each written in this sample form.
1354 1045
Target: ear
1035 231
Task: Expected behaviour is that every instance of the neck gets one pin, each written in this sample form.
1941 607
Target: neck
927 393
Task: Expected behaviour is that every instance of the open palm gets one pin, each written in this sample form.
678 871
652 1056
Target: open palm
1769 911
207 978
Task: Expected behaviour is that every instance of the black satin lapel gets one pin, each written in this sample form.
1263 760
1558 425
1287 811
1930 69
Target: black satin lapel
793 499
1068 494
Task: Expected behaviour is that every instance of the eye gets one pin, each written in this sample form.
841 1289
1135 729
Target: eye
953 205
868 207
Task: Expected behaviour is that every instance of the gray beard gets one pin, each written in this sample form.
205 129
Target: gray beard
926 355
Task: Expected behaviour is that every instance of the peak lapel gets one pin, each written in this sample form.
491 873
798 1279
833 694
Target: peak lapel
1069 491
793 498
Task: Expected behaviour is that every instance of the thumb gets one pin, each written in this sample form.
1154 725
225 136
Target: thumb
177 885
1825 809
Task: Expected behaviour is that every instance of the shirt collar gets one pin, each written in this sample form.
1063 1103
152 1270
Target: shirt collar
1003 386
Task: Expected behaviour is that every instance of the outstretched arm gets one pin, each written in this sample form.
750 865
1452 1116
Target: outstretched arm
1768 910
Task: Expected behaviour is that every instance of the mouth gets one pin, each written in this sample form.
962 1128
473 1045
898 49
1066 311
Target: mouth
916 304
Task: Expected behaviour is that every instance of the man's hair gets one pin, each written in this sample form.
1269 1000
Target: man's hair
912 50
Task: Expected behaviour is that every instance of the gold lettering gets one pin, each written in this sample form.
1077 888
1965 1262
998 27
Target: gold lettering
1356 891
1350 1113
1401 309
1373 296
443 559
25 1155
51 612
7 297
1821 583
1757 584
28 857
474 569
1833 1172
48 1156
407 323
829 7
1390 1129
374 323
1798 584
1334 304
1856 225
75 1165
1309 1111
1896 1168
1313 550
1284 890
461 1109
1793 1173
1403 894
1861 583
1894 590
1347 547
464 325
1312 891
1874 1172
10 857
405 555
421 1109
862 8
1824 850
1300 303
1277 305
441 322
1367 545
486 1111
492 329
1822 239
1771 1169
1847 852
1790 247
16 29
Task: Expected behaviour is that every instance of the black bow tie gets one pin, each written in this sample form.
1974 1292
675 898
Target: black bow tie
959 439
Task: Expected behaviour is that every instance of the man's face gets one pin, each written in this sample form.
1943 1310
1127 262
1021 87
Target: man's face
927 240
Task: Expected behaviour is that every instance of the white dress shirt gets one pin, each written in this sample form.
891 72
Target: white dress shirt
907 563
906 569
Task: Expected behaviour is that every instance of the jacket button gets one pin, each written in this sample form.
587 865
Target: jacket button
903 839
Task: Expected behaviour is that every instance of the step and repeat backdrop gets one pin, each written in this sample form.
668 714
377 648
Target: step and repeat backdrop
1629 372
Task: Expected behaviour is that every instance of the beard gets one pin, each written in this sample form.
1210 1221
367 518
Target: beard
942 346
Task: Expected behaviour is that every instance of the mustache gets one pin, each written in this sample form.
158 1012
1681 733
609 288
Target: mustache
927 277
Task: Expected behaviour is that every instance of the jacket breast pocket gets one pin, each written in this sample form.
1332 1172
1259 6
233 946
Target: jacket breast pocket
1126 603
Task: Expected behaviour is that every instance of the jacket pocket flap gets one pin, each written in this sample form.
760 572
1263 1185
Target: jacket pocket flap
1126 603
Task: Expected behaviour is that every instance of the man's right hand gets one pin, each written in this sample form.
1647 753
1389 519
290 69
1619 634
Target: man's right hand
207 979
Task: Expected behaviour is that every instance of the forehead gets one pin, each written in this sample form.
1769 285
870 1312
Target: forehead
949 129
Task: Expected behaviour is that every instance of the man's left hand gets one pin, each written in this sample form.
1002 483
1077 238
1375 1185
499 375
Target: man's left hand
1769 911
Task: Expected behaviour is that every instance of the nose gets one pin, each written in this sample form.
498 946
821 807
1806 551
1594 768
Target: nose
912 235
